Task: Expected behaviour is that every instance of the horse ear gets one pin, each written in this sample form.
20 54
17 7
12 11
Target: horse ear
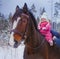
25 8
17 8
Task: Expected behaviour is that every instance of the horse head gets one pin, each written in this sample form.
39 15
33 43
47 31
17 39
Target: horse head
19 26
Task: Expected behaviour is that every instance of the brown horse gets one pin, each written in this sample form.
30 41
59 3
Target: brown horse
25 28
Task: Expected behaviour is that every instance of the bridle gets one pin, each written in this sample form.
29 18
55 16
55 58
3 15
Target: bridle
23 35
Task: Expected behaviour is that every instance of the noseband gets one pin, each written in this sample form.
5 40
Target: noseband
21 34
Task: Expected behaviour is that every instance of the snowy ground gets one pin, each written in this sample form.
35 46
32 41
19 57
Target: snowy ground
7 52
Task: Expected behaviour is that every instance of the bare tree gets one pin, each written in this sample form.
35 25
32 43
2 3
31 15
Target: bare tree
38 20
42 10
10 16
33 8
57 7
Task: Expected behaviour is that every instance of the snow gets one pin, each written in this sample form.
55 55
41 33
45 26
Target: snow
7 52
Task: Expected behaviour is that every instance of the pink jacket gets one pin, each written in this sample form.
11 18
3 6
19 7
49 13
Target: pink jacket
45 28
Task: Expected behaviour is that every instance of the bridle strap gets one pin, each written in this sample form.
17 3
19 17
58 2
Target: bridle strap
16 32
25 33
25 15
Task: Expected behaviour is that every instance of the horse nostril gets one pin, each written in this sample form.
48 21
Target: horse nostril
15 45
15 41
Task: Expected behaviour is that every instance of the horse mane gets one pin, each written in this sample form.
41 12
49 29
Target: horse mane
33 19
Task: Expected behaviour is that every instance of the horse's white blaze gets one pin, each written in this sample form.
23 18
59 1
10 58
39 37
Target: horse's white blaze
16 22
11 41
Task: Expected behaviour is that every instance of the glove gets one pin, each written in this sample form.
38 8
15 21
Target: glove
44 28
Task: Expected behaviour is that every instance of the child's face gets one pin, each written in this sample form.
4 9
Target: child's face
43 19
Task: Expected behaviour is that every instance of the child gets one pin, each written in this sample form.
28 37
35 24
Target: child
44 27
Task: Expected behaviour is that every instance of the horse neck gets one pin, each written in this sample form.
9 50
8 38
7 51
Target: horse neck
34 38
32 34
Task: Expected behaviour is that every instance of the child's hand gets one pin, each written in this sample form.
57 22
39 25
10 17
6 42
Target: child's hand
44 28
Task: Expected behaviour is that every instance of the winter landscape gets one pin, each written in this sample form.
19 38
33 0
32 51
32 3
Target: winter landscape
7 52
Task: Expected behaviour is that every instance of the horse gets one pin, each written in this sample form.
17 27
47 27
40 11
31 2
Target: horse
25 29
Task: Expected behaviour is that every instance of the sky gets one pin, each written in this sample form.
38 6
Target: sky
8 6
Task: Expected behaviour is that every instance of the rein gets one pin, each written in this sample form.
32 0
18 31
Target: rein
37 46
